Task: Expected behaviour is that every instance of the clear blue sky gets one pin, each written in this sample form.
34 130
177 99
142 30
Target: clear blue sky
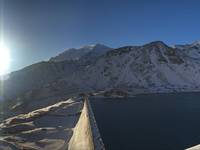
35 30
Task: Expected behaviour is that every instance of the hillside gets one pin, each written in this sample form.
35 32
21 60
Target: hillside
153 67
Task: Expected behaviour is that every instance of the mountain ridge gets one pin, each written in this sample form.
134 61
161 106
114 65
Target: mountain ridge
151 68
77 53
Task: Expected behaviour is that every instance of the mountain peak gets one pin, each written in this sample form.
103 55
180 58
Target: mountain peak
93 46
77 53
196 43
159 44
156 43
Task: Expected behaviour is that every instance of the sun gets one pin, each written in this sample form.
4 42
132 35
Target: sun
4 59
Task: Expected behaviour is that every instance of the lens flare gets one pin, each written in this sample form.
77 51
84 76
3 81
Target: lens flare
4 59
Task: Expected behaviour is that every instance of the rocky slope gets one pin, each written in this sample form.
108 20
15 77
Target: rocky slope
191 50
76 54
153 67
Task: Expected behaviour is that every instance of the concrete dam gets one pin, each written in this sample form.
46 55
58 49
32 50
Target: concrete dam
69 124
86 135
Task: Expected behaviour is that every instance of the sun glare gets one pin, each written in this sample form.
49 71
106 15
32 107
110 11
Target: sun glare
4 59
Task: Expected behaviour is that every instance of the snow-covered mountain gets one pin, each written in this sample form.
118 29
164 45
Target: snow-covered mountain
153 67
191 50
75 54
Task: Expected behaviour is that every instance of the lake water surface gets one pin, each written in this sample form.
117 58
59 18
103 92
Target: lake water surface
149 122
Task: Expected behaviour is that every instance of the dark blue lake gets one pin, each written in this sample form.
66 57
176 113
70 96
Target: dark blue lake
149 122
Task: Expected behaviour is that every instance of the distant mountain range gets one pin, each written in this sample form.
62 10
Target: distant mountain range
153 67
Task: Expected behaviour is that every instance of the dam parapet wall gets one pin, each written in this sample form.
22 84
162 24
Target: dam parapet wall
86 135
